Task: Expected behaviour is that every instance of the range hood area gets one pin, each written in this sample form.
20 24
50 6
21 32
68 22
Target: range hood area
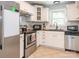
27 14
24 13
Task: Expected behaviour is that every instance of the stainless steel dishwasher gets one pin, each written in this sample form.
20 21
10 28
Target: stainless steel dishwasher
72 38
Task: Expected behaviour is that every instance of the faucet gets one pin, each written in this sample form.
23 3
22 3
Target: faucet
56 26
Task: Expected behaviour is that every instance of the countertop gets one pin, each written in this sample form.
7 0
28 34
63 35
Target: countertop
58 30
30 32
52 30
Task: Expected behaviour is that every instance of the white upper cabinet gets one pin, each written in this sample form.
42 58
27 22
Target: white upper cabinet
33 17
72 12
45 14
77 3
40 13
24 6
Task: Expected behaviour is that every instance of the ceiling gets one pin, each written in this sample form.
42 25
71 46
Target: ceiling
49 3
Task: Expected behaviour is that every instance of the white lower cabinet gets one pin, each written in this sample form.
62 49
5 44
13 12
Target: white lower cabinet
21 45
77 43
39 36
51 38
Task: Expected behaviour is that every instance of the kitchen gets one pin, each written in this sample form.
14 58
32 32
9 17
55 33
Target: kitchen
50 25
39 29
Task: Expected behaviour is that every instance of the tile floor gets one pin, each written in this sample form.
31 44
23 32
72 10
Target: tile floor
45 52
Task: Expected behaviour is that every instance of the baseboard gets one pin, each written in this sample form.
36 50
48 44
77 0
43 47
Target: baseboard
23 57
62 49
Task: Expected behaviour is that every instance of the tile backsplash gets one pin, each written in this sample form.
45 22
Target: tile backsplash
65 26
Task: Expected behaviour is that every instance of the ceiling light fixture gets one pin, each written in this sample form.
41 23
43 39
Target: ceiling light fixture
56 2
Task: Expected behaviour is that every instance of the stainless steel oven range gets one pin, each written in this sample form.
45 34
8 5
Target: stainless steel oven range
30 43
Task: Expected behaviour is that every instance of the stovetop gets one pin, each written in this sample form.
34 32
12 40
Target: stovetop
27 32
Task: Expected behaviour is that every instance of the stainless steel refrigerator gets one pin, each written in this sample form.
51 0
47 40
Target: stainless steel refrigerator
9 33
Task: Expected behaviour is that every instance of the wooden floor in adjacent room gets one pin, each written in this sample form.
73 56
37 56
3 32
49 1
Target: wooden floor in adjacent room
45 52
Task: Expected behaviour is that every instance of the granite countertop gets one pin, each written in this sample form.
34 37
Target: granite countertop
62 30
52 30
29 32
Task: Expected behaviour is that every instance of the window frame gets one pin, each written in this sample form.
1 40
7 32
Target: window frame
59 10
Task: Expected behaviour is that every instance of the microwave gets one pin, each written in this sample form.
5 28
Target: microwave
37 27
72 28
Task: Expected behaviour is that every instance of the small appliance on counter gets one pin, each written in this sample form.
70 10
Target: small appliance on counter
72 38
72 28
37 27
23 28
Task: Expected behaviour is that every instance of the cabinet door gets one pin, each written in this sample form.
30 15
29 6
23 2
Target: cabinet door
48 38
25 6
77 43
21 45
59 39
22 6
34 14
39 37
45 14
54 39
72 12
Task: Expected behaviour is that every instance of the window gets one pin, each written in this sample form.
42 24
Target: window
58 17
